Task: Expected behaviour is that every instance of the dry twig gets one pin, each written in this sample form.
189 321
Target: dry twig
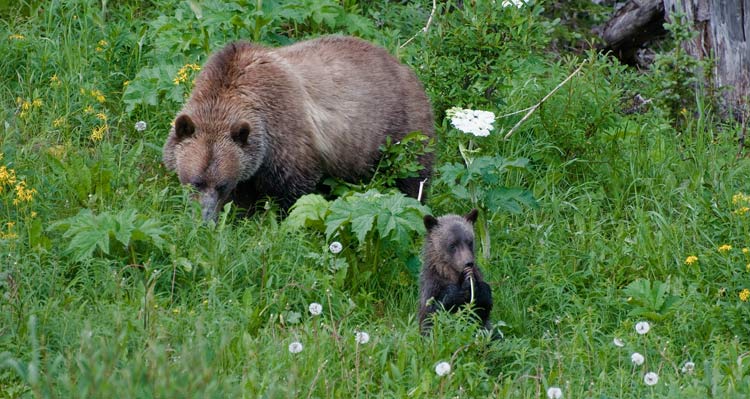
534 108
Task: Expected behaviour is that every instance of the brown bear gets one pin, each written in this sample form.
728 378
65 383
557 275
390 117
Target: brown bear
449 270
271 122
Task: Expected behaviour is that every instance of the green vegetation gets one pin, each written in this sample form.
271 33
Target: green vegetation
599 218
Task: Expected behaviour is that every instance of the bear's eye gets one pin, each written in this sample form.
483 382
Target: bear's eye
198 185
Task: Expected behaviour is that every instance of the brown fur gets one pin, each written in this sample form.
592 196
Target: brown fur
272 121
448 254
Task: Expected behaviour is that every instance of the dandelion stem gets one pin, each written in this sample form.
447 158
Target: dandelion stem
534 108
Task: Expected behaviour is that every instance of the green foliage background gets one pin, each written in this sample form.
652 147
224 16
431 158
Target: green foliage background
112 288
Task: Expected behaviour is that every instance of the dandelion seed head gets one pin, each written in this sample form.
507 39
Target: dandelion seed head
442 368
637 359
642 327
688 367
335 247
554 393
140 126
295 347
651 378
618 342
362 337
315 309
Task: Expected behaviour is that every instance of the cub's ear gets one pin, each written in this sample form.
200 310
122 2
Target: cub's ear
472 216
240 132
183 127
430 222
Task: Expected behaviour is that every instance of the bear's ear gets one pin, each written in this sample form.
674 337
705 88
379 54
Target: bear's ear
240 132
472 216
183 127
430 222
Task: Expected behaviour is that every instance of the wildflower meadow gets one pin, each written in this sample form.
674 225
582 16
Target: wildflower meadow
614 233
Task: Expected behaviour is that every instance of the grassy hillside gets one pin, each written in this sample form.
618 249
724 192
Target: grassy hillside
602 212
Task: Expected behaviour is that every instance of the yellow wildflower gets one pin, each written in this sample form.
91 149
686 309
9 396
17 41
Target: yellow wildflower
54 80
742 210
89 109
33 214
23 194
125 83
740 198
10 234
98 133
747 267
101 116
101 45
98 95
58 122
745 250
182 74
25 106
7 177
16 36
744 295
176 310
725 248
57 151
37 102
691 259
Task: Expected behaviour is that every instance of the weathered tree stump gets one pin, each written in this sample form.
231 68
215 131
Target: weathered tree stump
633 24
723 28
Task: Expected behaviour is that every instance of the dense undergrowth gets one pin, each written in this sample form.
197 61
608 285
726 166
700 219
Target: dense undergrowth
111 287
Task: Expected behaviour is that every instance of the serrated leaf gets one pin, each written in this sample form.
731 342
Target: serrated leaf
309 210
124 224
361 225
340 214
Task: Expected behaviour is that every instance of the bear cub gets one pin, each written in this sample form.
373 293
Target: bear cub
449 269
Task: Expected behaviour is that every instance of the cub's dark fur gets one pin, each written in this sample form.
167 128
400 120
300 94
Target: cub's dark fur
448 262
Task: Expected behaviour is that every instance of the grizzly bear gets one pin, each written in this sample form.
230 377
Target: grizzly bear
449 270
271 122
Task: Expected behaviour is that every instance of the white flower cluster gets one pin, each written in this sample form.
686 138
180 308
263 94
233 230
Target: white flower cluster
517 3
478 123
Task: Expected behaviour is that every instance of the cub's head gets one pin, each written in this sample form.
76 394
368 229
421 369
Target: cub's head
450 242
213 158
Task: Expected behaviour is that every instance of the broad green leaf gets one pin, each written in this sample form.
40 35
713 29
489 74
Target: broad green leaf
309 210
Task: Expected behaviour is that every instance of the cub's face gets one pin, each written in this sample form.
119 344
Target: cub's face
212 163
452 239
